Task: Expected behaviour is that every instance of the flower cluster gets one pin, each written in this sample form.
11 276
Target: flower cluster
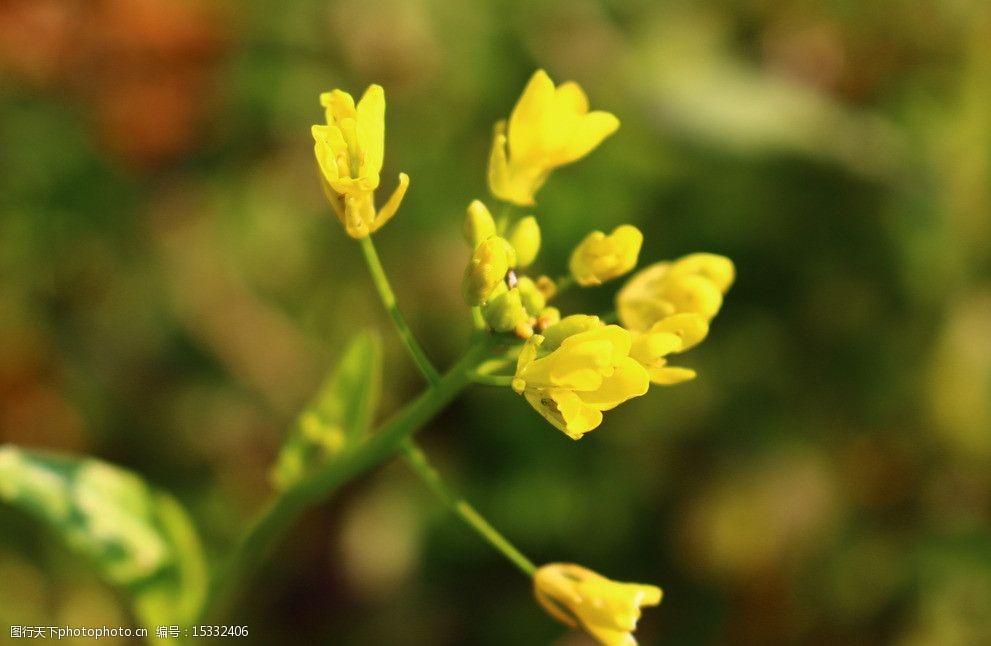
571 369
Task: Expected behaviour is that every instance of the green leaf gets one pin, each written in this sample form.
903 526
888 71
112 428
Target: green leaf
137 537
338 416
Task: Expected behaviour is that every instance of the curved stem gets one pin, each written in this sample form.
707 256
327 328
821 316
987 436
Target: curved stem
389 301
414 456
418 461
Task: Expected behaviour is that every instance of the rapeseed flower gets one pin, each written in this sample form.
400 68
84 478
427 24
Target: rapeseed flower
588 372
549 127
578 597
350 149
600 257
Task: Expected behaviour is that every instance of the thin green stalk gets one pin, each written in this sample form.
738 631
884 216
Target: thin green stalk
414 456
505 215
492 380
389 301
282 512
418 461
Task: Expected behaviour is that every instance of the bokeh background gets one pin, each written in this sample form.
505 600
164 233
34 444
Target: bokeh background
173 287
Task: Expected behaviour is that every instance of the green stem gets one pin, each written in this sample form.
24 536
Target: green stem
460 507
389 301
414 456
502 220
283 511
492 380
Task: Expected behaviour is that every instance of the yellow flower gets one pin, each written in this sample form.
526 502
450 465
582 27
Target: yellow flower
695 283
602 257
349 150
674 334
589 372
607 610
549 127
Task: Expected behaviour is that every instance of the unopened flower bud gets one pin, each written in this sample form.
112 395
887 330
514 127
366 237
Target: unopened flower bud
602 257
487 269
479 225
505 311
525 238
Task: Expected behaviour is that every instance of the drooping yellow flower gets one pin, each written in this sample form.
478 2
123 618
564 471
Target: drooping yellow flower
600 257
578 597
549 127
695 283
591 371
350 149
674 334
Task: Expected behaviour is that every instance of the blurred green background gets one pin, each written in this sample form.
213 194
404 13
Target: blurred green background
173 286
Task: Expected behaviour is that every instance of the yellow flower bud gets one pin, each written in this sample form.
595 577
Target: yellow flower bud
487 268
349 149
578 597
532 299
674 334
504 310
548 317
695 284
479 225
525 238
547 287
602 257
590 372
549 127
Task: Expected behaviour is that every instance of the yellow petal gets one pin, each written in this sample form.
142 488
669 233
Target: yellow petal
718 269
339 105
570 95
618 338
371 119
579 418
590 132
691 328
525 120
628 380
582 367
670 375
392 204
647 348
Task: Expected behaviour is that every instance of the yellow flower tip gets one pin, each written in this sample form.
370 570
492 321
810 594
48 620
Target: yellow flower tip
582 368
525 238
549 127
578 597
599 258
692 284
479 224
